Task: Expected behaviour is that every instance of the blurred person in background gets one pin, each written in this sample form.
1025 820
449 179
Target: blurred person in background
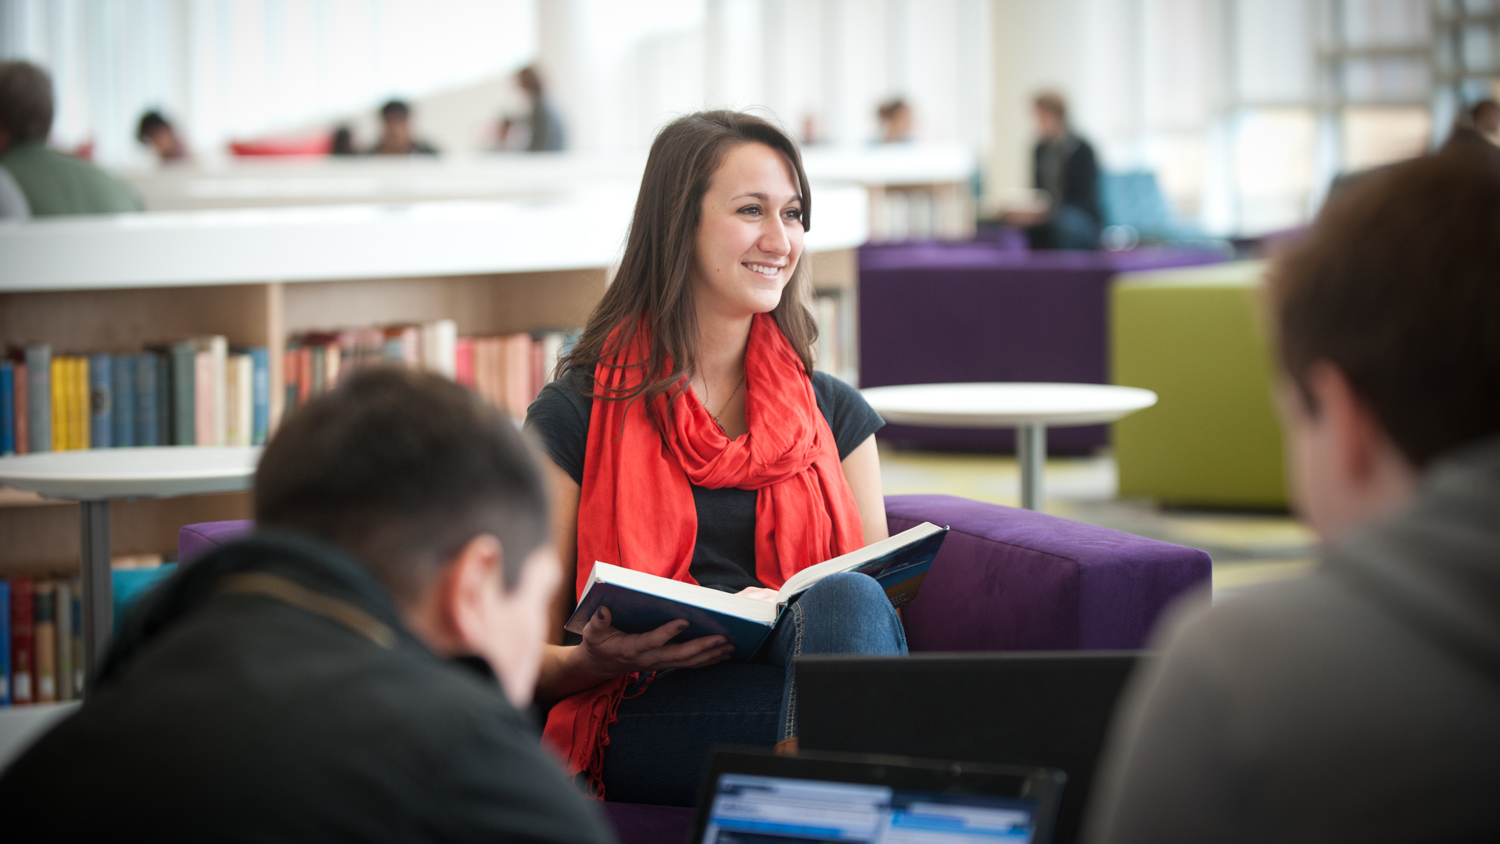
1486 117
547 132
1065 168
1478 125
894 116
396 136
1358 703
343 142
52 184
156 132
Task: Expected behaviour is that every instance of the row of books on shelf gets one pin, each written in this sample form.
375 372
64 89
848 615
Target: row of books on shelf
506 370
835 331
41 640
197 391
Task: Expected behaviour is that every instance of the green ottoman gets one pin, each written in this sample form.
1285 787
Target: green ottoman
1194 335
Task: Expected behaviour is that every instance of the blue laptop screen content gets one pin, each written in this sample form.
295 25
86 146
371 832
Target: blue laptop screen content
764 810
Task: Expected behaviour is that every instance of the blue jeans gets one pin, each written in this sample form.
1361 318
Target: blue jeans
660 746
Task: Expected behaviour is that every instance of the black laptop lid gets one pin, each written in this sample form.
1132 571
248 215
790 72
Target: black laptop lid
757 797
1046 710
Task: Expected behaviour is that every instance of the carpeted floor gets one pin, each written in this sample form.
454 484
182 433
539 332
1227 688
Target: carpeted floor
1247 548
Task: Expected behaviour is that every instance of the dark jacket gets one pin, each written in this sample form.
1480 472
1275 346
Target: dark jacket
1077 217
1361 703
223 713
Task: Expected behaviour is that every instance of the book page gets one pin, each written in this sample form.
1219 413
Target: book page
803 580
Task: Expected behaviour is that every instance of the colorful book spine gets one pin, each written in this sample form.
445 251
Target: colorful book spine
203 399
23 412
76 588
184 429
39 396
4 643
166 390
81 406
7 407
260 390
22 609
62 416
122 400
64 614
44 633
146 423
101 401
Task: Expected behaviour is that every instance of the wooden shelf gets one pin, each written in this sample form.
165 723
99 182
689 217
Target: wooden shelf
116 284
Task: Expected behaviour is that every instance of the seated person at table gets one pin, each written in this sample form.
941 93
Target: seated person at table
693 440
51 183
158 133
1359 703
396 134
354 671
1065 168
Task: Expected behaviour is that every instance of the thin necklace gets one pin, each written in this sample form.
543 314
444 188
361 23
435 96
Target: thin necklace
732 393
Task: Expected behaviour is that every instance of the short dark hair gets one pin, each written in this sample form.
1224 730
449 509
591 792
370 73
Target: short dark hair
1051 102
150 122
888 109
1398 285
401 469
1482 107
395 109
25 102
530 79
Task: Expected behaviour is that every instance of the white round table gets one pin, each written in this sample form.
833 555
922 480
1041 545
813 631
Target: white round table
94 477
1029 408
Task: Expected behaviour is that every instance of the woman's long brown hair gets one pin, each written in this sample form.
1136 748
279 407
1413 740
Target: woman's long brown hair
653 287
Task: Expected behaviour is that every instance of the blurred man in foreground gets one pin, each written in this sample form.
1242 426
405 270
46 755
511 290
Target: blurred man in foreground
1359 703
354 671
52 183
396 135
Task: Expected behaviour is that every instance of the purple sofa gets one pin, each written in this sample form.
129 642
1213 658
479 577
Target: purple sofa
1005 580
933 313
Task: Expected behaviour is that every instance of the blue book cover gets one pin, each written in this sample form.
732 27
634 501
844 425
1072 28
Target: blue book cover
184 417
101 388
164 392
122 400
4 643
145 400
640 602
7 408
39 396
260 394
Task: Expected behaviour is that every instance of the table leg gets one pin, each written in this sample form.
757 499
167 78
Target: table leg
1031 450
98 591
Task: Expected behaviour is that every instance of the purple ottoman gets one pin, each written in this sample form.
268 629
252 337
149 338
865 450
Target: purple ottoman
1016 580
193 541
939 313
635 823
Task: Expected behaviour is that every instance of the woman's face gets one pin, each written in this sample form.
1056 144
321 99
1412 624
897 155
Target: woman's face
750 234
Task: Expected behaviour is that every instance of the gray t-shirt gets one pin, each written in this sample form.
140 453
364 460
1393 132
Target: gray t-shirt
1361 703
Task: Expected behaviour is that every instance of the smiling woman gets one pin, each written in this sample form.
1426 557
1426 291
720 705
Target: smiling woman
692 440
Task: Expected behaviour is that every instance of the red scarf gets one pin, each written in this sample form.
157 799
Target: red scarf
636 508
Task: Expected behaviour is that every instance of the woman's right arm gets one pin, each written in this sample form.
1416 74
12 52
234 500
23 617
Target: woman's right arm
606 653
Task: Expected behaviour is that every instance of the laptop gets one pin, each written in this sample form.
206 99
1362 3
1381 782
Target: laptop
754 796
1047 710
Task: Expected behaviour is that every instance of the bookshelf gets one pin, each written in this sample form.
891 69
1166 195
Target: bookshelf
256 276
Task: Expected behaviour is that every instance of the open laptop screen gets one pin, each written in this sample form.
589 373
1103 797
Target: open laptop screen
879 800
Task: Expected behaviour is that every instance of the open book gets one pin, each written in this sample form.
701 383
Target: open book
640 602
